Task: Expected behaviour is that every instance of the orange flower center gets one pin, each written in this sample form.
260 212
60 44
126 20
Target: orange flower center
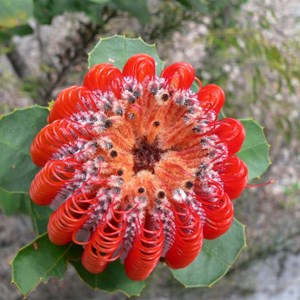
153 146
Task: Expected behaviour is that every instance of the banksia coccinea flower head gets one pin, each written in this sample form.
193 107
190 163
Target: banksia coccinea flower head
138 167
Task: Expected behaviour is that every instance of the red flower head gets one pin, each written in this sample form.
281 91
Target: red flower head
138 167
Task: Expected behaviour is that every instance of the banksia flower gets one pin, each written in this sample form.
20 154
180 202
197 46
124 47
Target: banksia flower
138 167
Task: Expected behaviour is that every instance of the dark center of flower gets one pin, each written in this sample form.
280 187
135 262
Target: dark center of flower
145 155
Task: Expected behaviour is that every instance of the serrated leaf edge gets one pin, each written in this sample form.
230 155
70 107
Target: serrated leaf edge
21 109
41 279
122 36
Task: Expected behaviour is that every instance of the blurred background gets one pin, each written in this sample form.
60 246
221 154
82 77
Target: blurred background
249 47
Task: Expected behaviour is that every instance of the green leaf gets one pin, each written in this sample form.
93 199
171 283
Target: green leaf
196 5
195 86
113 279
214 260
39 216
100 1
21 30
37 262
14 16
136 8
118 49
255 150
46 10
41 259
12 203
7 33
15 13
17 131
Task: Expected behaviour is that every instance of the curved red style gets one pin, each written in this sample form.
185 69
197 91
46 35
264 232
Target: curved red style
72 100
211 97
179 76
188 238
104 78
141 67
146 250
138 167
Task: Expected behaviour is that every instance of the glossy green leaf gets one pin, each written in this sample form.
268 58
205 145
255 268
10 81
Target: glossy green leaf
255 150
17 131
214 260
37 262
113 279
118 49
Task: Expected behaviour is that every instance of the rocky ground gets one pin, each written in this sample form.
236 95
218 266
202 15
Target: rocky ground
270 266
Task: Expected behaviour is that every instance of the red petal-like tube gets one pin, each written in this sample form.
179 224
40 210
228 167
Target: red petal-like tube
179 76
231 132
234 174
219 216
72 100
105 244
49 181
188 238
69 217
145 252
140 67
53 137
91 260
105 78
211 97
